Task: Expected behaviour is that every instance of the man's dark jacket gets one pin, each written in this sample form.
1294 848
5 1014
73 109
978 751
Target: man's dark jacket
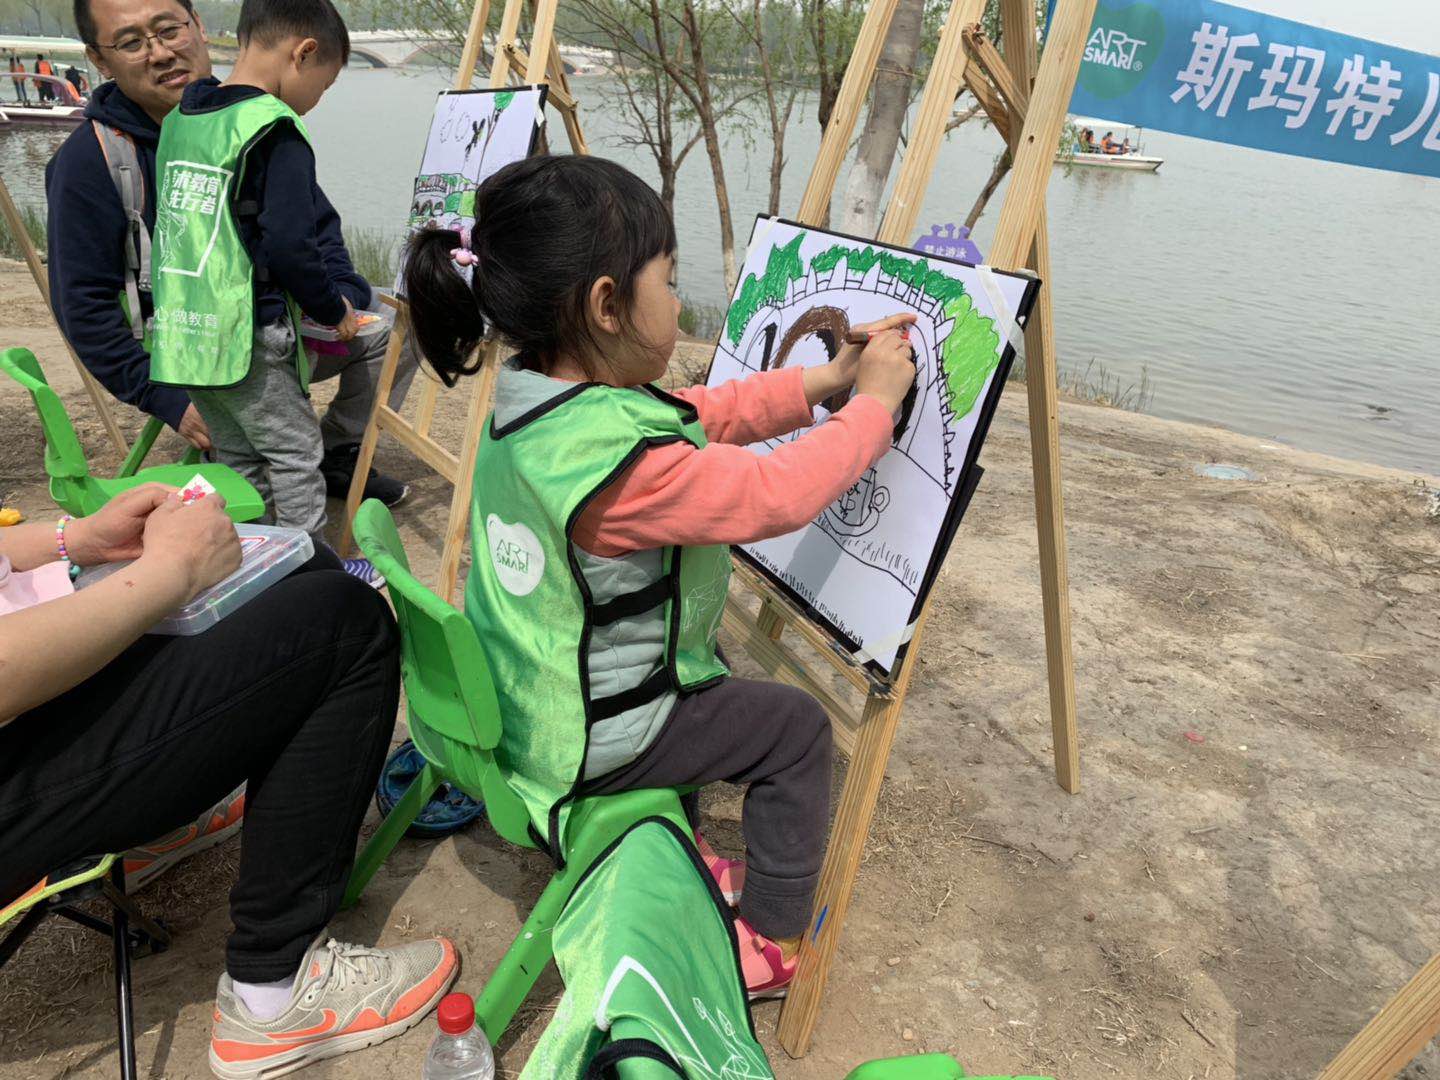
87 254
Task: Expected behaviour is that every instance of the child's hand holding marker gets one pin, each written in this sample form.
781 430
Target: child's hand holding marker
839 375
887 368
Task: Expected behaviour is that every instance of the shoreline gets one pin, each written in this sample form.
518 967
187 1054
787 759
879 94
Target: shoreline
692 355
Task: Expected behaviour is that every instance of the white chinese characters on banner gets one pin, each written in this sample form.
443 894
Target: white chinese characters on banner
1365 93
1298 67
1216 68
1427 111
1367 102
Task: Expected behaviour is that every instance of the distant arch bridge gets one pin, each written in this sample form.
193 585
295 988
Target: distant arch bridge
397 48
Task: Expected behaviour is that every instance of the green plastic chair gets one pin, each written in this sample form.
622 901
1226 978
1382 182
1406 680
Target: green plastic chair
455 722
921 1067
72 486
911 1067
141 447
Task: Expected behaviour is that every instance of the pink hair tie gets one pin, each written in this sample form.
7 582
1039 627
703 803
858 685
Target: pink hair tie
462 255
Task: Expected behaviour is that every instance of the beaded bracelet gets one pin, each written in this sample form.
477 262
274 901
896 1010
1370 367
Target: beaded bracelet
65 519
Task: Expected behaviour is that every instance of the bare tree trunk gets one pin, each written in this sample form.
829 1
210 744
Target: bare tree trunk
777 155
997 174
695 85
889 102
829 77
664 146
777 112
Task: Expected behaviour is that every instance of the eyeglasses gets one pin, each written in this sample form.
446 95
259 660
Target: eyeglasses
135 47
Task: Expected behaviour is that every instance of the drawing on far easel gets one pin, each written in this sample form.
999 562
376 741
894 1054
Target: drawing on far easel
473 134
863 567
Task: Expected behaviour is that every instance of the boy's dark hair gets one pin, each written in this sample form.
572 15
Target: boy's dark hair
546 229
269 22
85 22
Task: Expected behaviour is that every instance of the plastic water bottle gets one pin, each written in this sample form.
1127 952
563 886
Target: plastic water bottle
460 1051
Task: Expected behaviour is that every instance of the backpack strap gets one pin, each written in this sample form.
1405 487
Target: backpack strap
123 161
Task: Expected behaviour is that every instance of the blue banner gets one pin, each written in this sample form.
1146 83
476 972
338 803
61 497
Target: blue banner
1219 72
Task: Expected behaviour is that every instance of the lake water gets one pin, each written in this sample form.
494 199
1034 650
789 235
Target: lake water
1280 297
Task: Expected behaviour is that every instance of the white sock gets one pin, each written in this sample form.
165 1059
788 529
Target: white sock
267 1000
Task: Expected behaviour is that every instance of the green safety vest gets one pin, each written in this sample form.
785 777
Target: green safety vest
202 276
652 976
531 605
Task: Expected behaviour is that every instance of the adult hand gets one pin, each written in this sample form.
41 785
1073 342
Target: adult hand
194 431
195 541
349 326
847 360
887 369
115 531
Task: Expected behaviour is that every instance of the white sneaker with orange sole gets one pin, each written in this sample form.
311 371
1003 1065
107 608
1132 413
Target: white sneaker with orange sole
218 823
346 997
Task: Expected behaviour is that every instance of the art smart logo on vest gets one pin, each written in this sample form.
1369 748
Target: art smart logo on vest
516 554
1123 45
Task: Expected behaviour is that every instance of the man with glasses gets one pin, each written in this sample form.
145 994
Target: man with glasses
150 50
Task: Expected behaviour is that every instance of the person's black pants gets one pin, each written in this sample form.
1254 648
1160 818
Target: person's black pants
776 739
294 693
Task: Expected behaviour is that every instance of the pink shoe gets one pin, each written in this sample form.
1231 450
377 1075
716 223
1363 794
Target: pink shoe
729 874
767 972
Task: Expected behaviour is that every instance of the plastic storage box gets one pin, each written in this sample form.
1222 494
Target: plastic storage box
267 555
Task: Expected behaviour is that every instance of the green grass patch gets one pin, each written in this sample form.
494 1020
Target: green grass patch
374 254
701 320
1095 383
34 225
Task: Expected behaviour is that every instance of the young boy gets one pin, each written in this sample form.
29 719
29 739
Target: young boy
237 259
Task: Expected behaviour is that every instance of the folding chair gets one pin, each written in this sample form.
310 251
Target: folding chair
129 929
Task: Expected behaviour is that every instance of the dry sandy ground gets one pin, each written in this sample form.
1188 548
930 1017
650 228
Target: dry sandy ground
1232 907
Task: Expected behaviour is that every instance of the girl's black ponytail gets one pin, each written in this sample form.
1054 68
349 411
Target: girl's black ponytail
547 228
444 314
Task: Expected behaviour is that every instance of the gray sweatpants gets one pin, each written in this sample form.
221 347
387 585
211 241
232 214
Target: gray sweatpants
776 740
266 429
349 410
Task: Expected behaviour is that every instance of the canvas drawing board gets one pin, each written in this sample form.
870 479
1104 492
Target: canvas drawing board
473 134
863 568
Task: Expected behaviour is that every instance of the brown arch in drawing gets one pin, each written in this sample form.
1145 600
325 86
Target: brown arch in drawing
831 325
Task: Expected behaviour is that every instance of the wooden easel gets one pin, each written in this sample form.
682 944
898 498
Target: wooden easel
542 64
1396 1034
1027 101
98 394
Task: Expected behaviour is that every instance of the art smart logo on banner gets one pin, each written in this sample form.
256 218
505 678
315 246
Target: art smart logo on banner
1216 71
1123 45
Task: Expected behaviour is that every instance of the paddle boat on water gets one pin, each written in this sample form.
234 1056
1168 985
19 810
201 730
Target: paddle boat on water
21 100
1082 146
65 106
